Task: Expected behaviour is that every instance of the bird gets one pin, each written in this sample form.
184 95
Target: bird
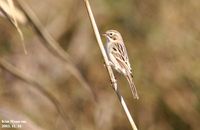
118 57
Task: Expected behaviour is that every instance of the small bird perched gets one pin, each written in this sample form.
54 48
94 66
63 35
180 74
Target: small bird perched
118 57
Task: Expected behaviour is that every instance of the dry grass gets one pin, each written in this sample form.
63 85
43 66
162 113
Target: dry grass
163 38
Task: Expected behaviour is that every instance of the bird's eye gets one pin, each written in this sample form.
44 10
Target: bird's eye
111 34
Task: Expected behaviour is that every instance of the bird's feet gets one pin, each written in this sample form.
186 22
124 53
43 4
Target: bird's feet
109 64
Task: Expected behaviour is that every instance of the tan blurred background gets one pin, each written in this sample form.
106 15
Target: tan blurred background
163 42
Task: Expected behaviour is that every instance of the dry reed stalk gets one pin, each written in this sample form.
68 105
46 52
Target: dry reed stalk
53 46
9 10
38 86
108 67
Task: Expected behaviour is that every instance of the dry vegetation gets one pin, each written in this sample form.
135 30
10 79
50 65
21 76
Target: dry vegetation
51 92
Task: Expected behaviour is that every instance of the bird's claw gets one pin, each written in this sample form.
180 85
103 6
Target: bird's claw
109 63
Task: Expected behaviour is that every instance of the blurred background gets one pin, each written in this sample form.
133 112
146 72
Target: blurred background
162 38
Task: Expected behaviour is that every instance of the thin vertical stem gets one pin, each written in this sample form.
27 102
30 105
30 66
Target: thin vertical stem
108 67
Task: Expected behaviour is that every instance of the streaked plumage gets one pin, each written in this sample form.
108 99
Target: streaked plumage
118 57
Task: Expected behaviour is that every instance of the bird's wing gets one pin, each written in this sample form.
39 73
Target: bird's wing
120 54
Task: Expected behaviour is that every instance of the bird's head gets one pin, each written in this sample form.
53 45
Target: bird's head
113 35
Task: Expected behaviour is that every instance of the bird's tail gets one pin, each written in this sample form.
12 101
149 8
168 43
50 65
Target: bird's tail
132 86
